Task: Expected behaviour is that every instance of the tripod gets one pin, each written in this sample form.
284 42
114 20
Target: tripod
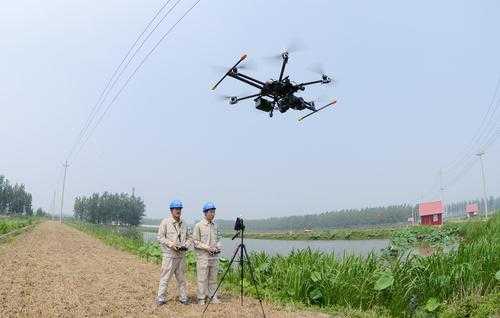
242 251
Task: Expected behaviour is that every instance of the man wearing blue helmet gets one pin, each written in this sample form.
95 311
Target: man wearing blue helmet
207 247
173 239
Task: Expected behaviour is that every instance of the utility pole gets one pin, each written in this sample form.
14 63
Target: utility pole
53 207
133 191
441 188
480 155
65 165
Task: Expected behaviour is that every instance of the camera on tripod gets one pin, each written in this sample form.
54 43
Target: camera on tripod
244 259
239 225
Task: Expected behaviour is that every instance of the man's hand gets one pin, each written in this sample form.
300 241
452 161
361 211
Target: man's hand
212 251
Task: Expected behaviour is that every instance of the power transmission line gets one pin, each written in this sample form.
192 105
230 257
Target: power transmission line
116 76
134 73
479 134
483 138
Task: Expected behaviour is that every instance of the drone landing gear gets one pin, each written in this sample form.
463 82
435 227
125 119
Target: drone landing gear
317 110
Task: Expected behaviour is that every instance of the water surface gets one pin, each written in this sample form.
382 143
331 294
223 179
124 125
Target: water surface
284 247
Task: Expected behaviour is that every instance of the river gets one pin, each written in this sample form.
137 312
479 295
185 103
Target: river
283 247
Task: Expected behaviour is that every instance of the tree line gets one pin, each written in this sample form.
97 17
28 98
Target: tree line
14 199
457 209
110 208
352 218
347 218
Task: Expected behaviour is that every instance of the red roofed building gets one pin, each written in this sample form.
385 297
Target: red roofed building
471 209
431 213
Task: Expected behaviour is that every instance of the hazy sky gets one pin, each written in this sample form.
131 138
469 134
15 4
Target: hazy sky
414 81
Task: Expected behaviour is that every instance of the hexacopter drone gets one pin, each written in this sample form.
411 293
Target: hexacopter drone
275 94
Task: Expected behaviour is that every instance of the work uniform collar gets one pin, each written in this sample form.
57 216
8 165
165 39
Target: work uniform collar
173 221
206 222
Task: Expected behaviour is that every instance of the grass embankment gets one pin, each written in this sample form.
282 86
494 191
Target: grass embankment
460 283
10 224
336 234
464 282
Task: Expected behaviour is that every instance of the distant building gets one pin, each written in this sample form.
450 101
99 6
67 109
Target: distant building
472 209
431 213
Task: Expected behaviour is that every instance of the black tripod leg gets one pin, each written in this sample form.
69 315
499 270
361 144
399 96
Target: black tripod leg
254 281
241 274
222 279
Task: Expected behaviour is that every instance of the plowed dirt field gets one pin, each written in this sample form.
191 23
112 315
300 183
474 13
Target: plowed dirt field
54 270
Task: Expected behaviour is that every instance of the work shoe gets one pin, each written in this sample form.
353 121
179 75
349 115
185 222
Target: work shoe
201 302
160 302
184 301
215 300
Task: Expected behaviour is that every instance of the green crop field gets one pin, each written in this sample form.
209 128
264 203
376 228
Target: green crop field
8 225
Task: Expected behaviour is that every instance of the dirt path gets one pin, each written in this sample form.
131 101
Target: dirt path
55 271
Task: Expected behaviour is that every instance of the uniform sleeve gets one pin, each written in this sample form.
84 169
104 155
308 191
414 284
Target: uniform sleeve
162 235
218 235
189 237
198 244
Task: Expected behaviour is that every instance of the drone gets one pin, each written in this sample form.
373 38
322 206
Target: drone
276 94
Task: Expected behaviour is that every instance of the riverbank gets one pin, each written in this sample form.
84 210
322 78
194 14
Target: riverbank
335 234
461 282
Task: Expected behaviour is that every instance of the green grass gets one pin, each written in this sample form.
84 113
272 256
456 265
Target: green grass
434 237
399 285
9 224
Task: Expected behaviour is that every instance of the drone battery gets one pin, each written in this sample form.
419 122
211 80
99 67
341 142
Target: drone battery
263 104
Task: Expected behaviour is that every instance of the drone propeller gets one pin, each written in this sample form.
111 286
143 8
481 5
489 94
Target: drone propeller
320 70
246 65
231 99
242 58
292 47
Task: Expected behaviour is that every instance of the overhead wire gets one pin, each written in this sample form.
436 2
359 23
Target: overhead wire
131 76
479 134
117 74
483 138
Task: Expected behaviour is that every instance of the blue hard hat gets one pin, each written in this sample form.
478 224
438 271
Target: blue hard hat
176 204
208 206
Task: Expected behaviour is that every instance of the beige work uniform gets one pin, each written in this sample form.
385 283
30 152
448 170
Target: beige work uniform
172 233
204 238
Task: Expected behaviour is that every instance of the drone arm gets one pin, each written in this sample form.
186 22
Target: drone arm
243 57
250 78
285 60
247 97
310 83
238 77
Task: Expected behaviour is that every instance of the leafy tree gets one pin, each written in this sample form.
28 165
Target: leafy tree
14 199
109 208
41 213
